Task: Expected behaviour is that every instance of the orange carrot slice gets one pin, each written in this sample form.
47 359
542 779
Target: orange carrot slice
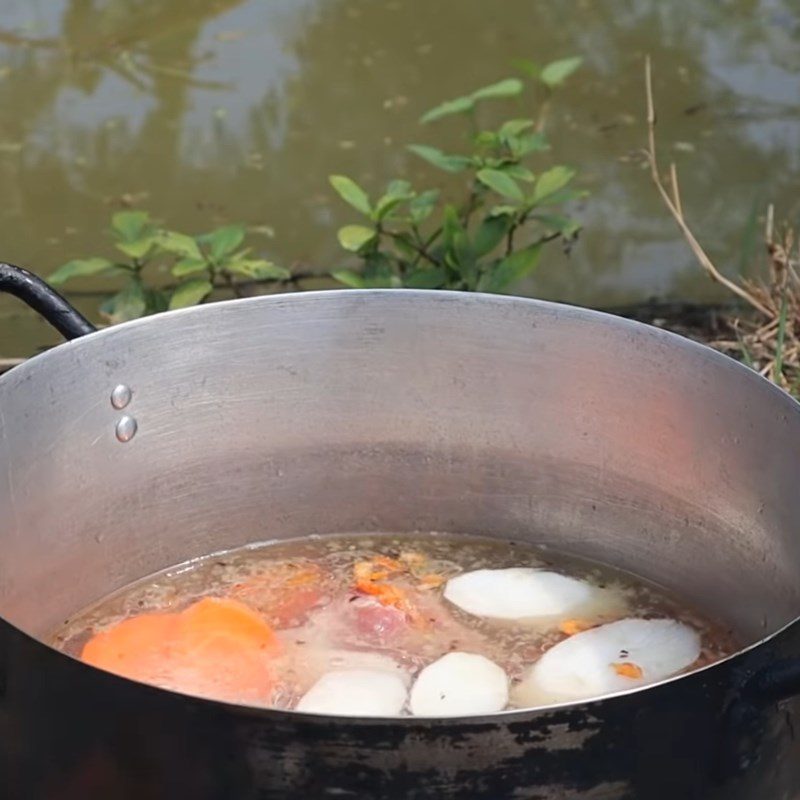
216 647
222 622
133 647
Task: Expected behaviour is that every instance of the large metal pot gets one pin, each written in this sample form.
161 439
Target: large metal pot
396 411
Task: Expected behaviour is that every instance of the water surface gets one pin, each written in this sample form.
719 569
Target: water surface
207 111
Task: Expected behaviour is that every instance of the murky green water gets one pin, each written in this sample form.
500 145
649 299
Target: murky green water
208 111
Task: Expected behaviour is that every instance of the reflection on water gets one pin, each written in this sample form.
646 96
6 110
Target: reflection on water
212 110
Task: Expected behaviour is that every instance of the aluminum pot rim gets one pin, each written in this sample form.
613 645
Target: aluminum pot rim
440 295
477 299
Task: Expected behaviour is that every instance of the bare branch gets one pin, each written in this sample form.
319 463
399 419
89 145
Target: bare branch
676 192
673 204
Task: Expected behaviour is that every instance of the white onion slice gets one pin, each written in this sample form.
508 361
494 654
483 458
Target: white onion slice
356 693
516 593
459 684
588 664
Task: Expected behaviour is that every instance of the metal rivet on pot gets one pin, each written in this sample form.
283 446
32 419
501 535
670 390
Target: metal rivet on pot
121 396
126 428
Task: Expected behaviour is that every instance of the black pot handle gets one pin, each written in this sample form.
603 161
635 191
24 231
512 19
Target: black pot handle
45 300
774 683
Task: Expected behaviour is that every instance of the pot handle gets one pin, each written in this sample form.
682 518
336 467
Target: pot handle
774 683
45 300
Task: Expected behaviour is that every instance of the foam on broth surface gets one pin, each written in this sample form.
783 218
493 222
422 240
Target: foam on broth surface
308 591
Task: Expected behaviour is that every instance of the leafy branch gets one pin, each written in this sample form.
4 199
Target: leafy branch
416 239
199 264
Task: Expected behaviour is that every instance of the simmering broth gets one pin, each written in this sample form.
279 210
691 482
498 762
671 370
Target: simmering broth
361 625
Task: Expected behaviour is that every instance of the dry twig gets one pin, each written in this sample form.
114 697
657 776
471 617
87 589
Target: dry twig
674 203
769 339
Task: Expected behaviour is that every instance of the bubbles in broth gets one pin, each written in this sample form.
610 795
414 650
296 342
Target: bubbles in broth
373 625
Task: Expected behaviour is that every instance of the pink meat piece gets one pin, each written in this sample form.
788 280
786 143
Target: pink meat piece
375 622
360 621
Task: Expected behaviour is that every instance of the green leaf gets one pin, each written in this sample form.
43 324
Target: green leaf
518 172
500 210
224 241
527 67
514 127
396 193
179 244
556 72
378 272
258 269
385 206
566 226
130 225
565 195
130 303
534 142
501 183
399 188
186 266
405 244
462 248
138 248
551 181
449 163
489 234
512 268
487 139
422 205
190 293
156 301
348 278
510 87
354 237
433 278
448 108
351 193
80 267
451 226
461 257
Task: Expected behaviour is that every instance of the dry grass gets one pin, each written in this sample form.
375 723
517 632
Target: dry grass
767 335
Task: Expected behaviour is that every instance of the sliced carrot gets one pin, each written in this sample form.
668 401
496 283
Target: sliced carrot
134 647
572 626
216 647
627 669
227 622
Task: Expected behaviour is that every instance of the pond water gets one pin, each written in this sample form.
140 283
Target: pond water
208 111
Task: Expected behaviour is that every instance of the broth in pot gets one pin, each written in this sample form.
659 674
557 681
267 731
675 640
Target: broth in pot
433 625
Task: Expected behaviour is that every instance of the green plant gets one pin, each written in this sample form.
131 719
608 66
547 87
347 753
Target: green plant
199 264
490 239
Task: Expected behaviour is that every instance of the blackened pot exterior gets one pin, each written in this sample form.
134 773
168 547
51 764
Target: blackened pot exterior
198 431
69 732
